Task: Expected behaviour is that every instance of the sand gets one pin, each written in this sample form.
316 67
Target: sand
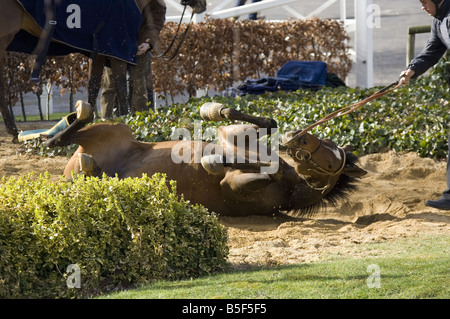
388 205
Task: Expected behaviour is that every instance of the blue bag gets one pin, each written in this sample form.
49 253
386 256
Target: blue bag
268 84
307 73
292 76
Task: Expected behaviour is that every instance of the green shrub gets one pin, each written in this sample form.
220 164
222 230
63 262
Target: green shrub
412 118
118 232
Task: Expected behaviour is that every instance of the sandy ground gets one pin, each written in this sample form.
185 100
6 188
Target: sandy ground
389 204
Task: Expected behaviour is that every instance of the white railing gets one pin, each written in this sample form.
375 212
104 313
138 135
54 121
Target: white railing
362 54
249 8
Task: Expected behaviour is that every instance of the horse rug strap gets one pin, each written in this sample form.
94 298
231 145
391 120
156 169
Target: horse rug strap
444 31
44 42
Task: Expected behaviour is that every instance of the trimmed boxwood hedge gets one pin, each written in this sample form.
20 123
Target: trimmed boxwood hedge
117 232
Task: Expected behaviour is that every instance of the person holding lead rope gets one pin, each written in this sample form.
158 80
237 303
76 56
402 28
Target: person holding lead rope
437 45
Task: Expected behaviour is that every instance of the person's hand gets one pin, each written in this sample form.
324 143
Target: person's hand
142 48
405 76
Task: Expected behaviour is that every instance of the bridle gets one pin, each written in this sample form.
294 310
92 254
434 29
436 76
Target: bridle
303 155
300 154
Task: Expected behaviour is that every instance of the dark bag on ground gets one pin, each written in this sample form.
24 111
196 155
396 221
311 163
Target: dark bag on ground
306 73
268 84
292 76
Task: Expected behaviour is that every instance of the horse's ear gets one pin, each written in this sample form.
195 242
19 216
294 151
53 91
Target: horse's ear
354 171
351 169
348 148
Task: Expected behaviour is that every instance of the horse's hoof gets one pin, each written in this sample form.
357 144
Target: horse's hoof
213 164
87 164
84 111
211 111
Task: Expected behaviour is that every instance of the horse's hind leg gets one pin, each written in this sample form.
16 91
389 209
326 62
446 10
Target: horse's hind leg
119 80
95 78
216 112
82 164
84 116
8 119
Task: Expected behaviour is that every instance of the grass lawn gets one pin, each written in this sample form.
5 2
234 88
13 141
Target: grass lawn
32 118
404 268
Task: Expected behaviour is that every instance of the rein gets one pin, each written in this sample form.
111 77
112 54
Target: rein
350 108
176 37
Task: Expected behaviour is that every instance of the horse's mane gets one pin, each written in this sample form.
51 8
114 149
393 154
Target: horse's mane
343 187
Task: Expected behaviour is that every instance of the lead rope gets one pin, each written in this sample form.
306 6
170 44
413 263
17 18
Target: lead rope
351 108
176 37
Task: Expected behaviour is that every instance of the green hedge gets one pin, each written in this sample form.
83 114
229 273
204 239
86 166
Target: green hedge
118 232
412 118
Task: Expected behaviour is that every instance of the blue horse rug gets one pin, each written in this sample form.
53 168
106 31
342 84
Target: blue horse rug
292 76
107 27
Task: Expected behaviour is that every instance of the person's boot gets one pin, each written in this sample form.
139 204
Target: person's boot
441 203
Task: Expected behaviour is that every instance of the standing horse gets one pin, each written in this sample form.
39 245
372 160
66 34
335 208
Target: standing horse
13 18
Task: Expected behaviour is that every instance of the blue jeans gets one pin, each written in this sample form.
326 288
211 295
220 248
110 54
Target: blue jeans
251 16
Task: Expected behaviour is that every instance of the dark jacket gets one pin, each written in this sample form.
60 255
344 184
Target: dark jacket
437 45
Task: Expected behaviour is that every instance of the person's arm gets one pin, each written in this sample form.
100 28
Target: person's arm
153 18
430 55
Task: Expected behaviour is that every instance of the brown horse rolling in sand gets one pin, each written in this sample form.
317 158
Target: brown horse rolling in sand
308 172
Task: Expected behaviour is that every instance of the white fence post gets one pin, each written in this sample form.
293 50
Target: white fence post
363 44
343 10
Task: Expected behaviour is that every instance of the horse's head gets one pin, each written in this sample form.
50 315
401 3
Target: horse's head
321 162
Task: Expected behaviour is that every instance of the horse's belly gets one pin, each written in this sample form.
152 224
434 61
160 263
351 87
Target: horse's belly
200 187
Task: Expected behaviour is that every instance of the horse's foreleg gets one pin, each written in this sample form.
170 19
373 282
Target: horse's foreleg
119 79
8 119
216 164
95 78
